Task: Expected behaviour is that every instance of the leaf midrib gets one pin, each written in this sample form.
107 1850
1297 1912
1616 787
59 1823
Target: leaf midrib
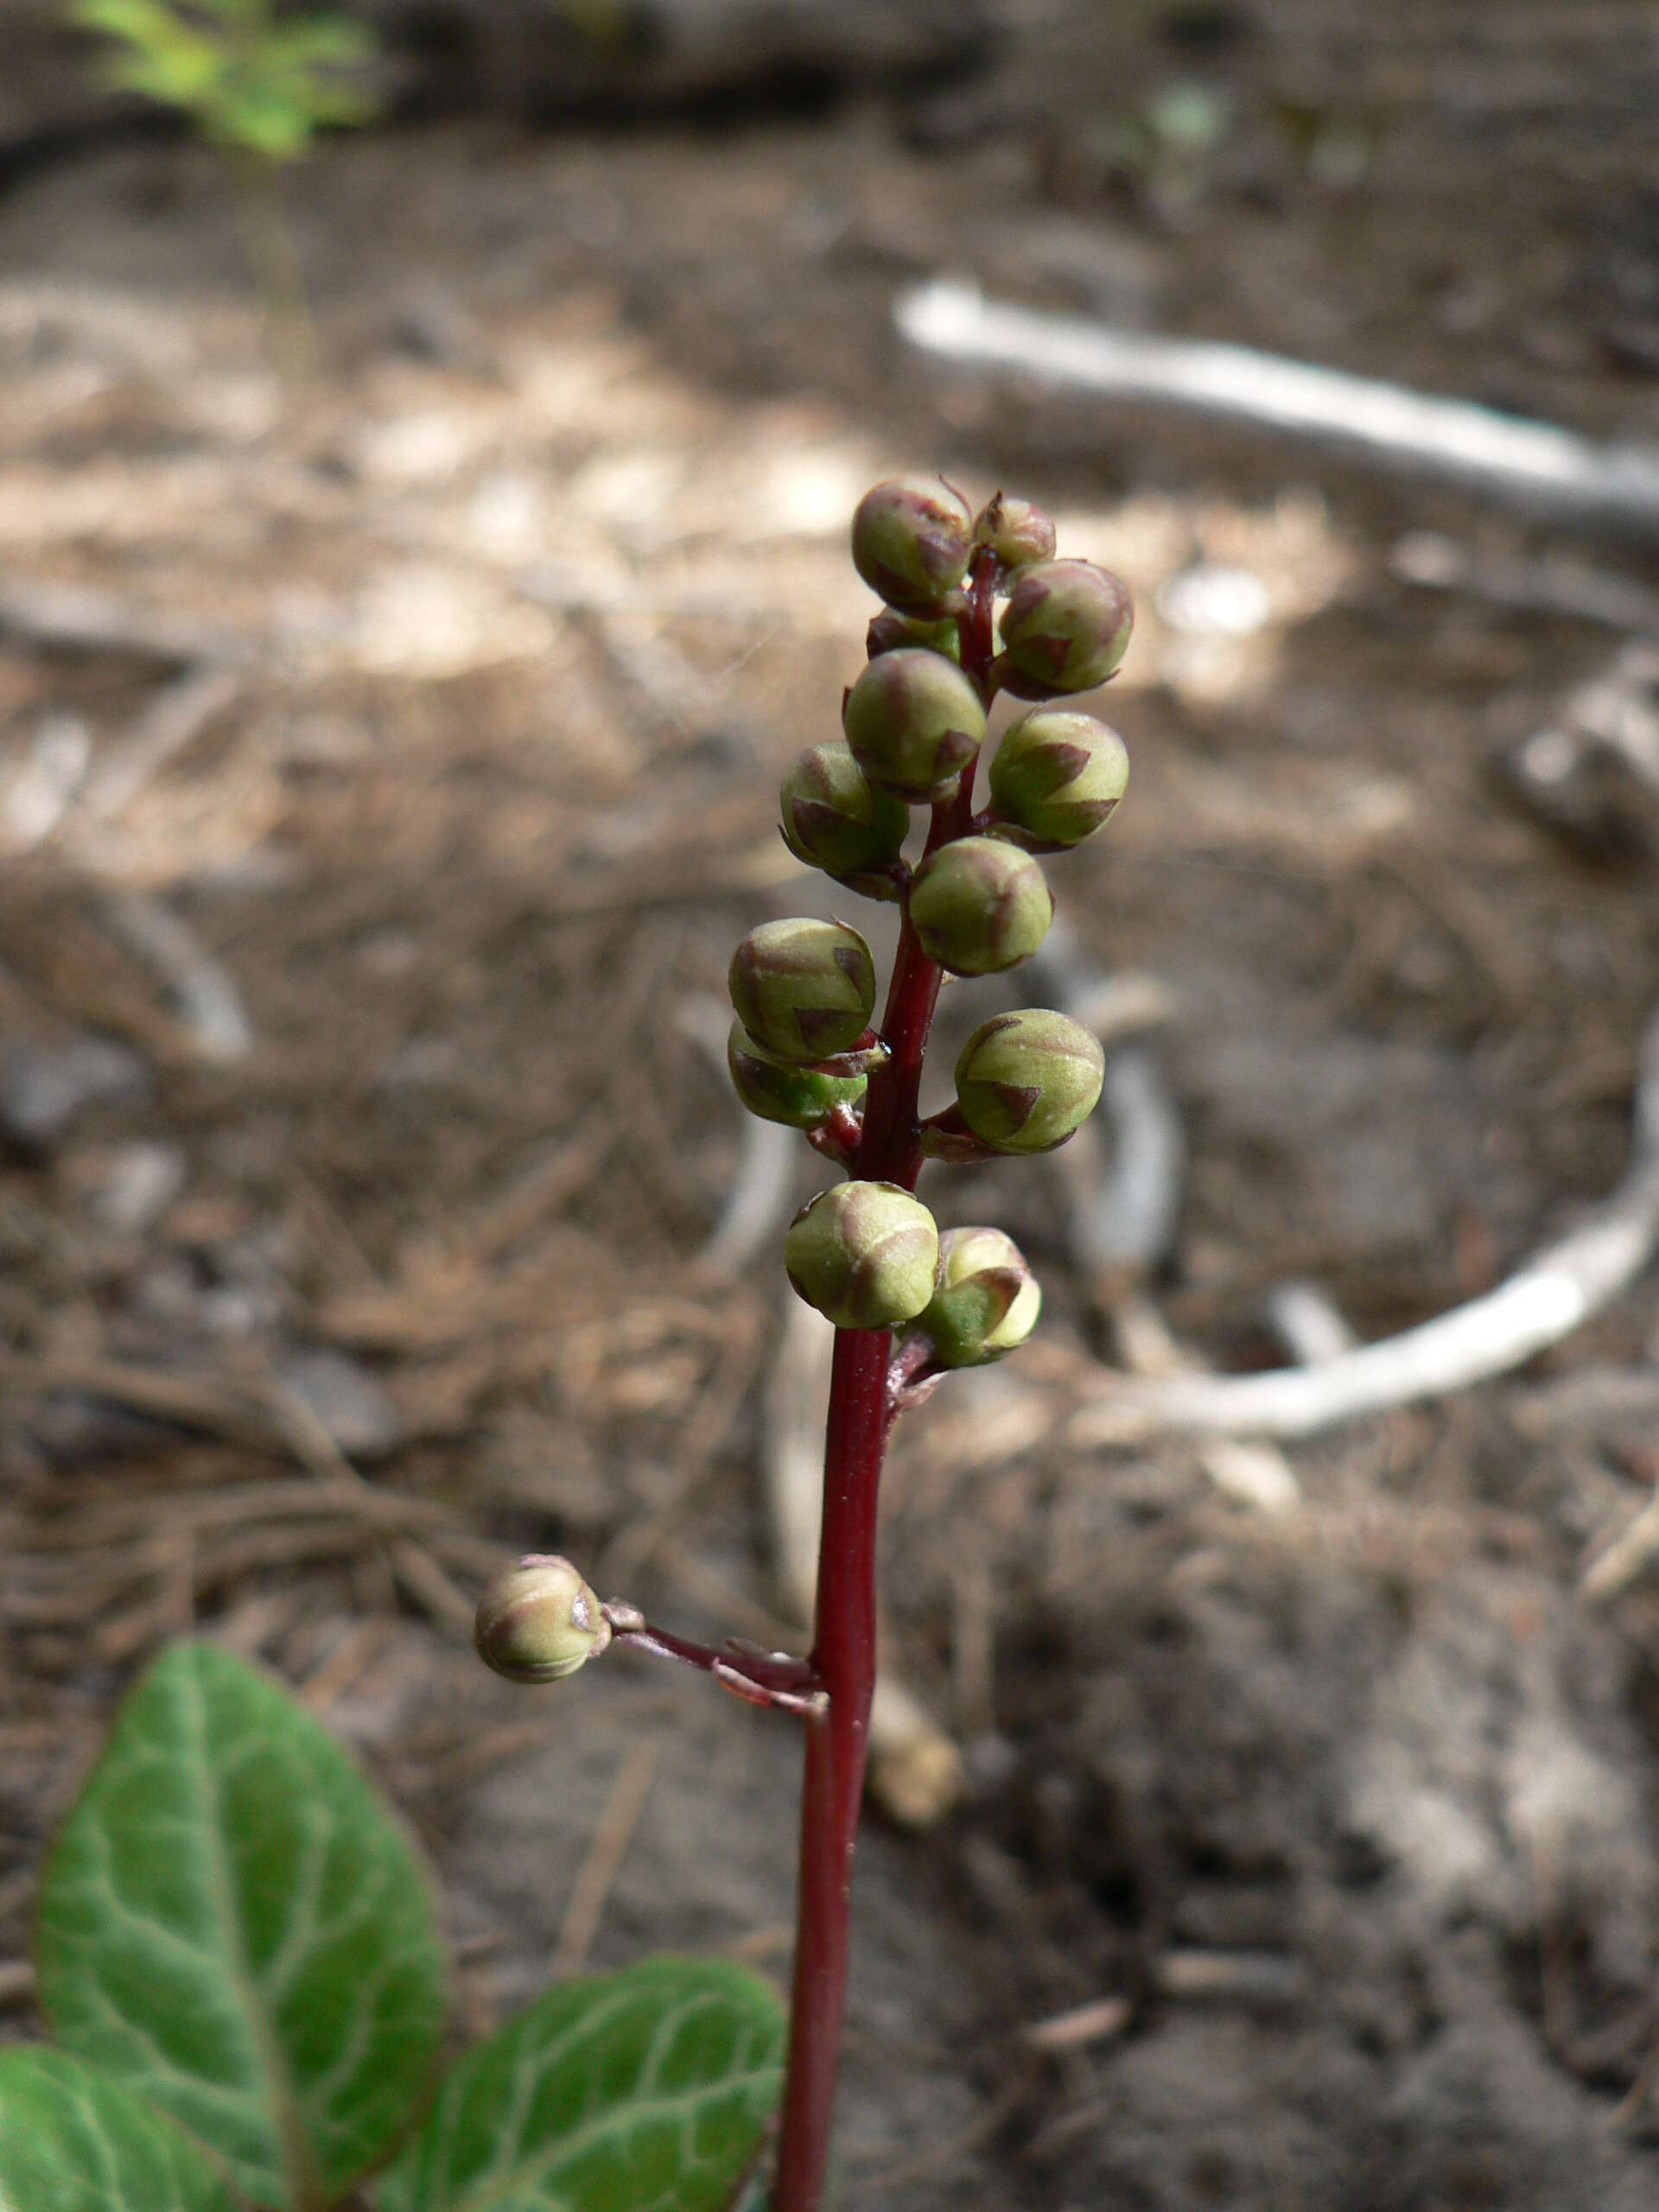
304 2176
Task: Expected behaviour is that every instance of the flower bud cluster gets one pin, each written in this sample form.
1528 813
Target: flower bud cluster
867 1252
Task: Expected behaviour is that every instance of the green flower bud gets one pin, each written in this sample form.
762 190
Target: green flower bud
1017 531
539 1622
980 905
1056 776
911 540
864 1254
1065 628
803 989
777 1090
833 816
1026 1081
890 629
987 1298
914 722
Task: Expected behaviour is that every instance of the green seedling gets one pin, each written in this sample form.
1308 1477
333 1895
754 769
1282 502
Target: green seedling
909 1306
259 85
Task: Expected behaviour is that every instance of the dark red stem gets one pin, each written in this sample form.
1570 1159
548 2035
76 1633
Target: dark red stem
844 1653
837 1138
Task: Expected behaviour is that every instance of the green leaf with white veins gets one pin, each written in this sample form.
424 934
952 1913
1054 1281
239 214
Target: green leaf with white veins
649 2089
72 2140
233 1927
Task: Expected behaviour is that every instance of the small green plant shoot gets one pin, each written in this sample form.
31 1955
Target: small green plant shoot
238 1950
258 83
249 79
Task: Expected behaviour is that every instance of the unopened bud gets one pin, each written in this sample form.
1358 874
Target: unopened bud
1056 776
911 540
539 1622
864 1254
1065 628
914 722
987 1300
1026 1081
889 630
980 905
1016 531
834 818
781 1090
803 989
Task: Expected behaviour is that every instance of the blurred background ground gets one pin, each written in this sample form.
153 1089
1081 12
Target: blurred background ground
406 763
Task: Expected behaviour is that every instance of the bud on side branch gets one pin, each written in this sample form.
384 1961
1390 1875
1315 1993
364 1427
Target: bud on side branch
539 1622
1015 530
799 1098
1056 776
912 539
987 1302
889 630
1026 1081
803 989
980 905
866 1254
914 722
1065 628
836 819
